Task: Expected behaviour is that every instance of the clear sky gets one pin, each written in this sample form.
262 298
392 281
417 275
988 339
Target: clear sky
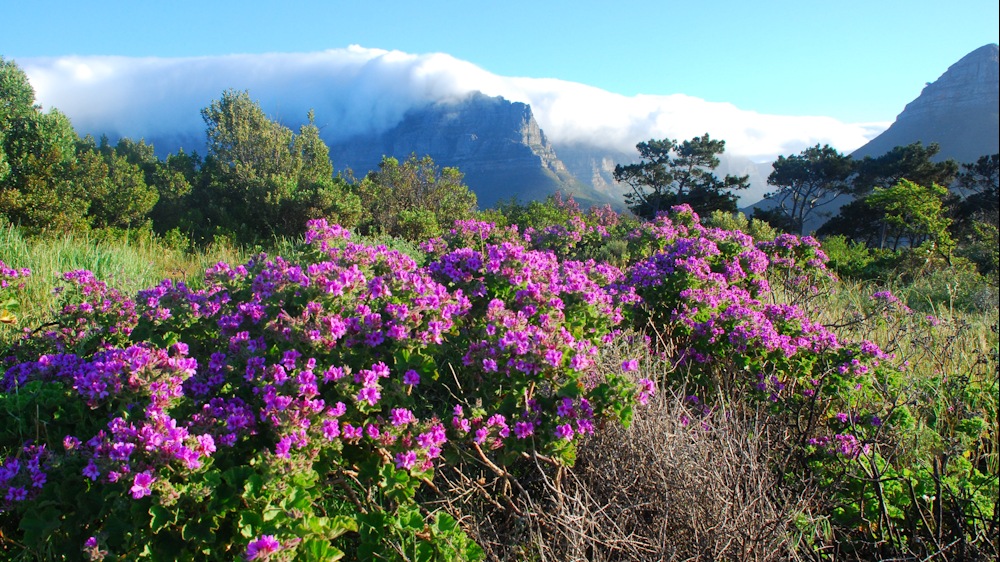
856 61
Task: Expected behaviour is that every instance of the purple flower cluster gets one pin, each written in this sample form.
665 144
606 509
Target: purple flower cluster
529 327
94 314
840 444
9 275
23 475
709 291
261 548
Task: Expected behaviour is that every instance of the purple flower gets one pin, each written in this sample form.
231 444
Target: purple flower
331 429
351 432
564 431
16 494
369 394
91 471
263 547
402 416
630 365
646 389
411 378
141 484
92 551
406 460
523 430
553 357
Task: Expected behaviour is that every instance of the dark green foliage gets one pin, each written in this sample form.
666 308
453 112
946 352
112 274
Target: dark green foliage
414 200
912 162
807 181
115 184
777 218
36 160
259 179
174 179
673 174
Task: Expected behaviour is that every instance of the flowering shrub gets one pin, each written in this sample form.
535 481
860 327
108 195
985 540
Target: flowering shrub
841 402
708 290
293 407
298 407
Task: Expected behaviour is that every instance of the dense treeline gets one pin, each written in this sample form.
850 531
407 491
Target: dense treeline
258 179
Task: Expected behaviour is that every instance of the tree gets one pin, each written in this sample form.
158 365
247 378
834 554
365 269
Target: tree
117 189
807 181
319 193
174 180
259 178
415 199
917 210
982 181
249 170
912 162
38 151
670 174
983 176
861 223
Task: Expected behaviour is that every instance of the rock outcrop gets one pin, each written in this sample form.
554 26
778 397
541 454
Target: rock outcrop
496 143
960 111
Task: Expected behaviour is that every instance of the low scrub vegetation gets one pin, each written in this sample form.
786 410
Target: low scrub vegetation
553 384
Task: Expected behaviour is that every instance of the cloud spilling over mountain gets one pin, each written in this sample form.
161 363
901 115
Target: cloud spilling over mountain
356 91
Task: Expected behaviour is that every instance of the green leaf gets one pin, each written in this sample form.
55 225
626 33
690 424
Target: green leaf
198 532
161 517
411 521
250 523
253 487
444 523
425 551
320 551
237 476
38 524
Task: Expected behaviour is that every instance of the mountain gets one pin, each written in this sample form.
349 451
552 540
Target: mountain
503 153
496 143
960 111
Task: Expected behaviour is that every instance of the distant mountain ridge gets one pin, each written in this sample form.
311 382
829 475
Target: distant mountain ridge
496 143
960 111
504 154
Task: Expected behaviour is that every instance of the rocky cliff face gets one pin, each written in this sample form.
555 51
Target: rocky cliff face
497 144
960 111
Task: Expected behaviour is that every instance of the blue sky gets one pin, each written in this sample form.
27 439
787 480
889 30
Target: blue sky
856 61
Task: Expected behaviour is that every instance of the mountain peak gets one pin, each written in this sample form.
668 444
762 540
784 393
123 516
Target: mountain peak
959 111
975 78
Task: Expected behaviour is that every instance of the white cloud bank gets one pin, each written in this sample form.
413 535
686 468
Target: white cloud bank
357 90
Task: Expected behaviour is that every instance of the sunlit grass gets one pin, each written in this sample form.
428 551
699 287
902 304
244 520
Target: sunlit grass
127 264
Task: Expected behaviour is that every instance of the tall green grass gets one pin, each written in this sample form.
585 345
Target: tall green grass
127 262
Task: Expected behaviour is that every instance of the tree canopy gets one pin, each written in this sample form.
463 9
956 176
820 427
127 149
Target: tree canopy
807 181
261 178
913 162
414 199
670 174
